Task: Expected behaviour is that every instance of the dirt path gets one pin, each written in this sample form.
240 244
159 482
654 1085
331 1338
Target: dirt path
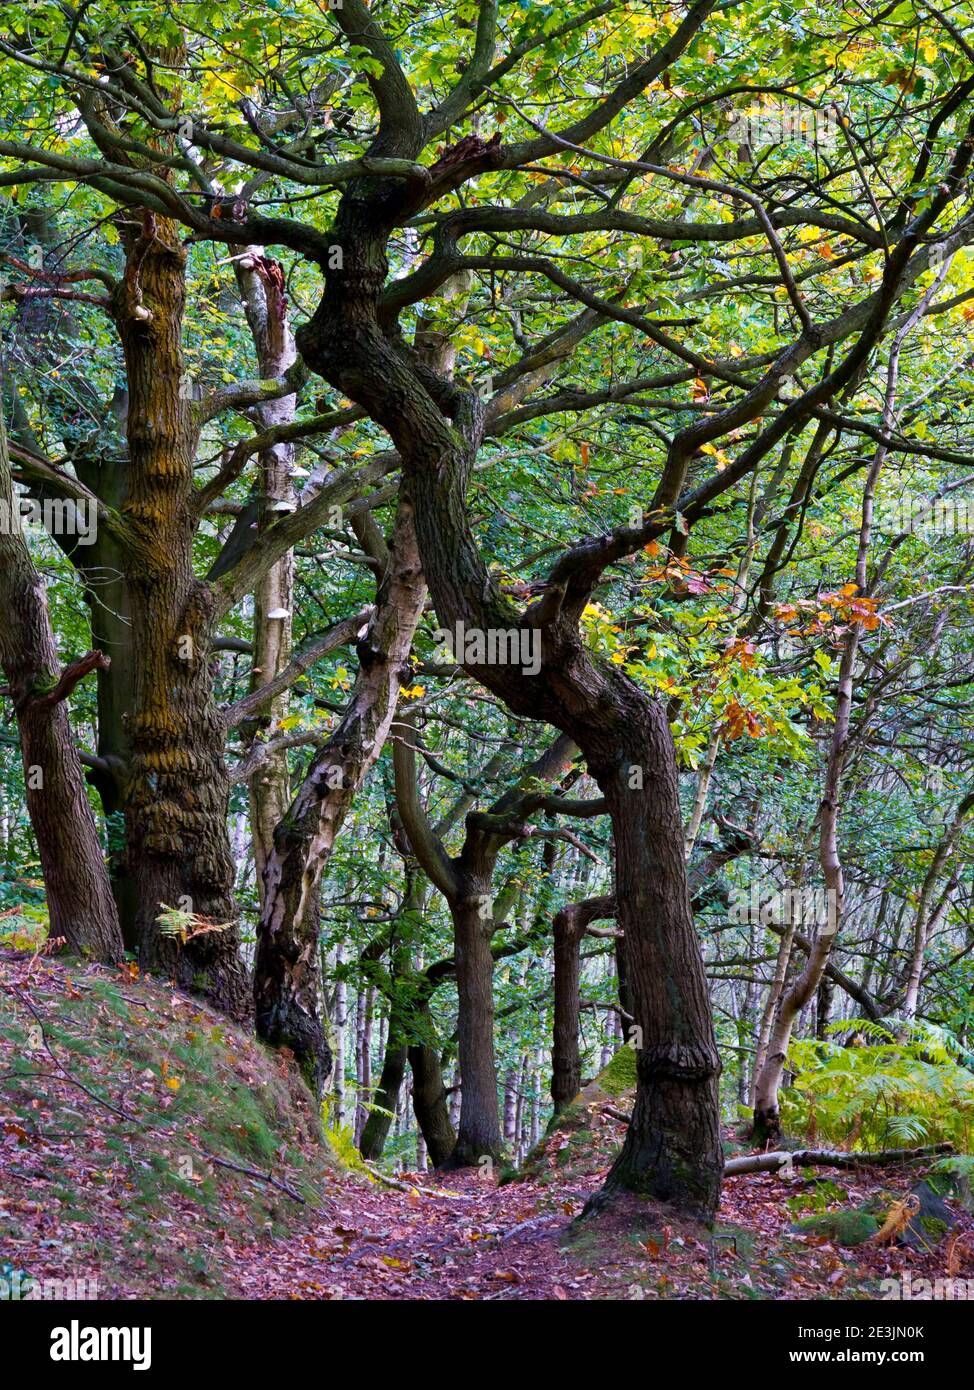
464 1239
469 1240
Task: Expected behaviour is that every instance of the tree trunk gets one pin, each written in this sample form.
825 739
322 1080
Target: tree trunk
378 1124
510 1107
79 897
566 1062
535 1134
261 283
923 921
363 1058
828 1158
430 1104
520 1110
102 564
772 1002
823 1007
341 1019
672 1150
479 1135
177 795
104 573
286 963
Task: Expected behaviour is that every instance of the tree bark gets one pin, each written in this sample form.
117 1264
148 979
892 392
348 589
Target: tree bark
386 1100
286 989
177 795
430 1103
672 1150
79 898
261 282
479 1135
827 1158
566 1061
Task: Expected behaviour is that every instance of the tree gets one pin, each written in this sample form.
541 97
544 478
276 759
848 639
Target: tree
618 250
80 903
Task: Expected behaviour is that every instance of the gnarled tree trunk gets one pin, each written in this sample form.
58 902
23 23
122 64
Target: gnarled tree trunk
177 792
672 1149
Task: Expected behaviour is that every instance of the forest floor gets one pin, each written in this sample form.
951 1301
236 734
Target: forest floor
138 1130
471 1240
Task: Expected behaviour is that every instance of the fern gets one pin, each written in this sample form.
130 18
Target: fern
887 1092
342 1141
184 926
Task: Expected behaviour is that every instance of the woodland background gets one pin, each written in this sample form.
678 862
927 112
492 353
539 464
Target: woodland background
638 336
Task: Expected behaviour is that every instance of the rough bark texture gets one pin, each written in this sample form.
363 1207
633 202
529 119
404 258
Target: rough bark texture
430 1103
177 792
479 1135
79 897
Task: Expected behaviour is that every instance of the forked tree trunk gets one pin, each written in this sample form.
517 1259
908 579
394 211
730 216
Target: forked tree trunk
101 563
79 897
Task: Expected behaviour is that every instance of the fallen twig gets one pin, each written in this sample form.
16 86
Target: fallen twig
619 1115
826 1158
414 1187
